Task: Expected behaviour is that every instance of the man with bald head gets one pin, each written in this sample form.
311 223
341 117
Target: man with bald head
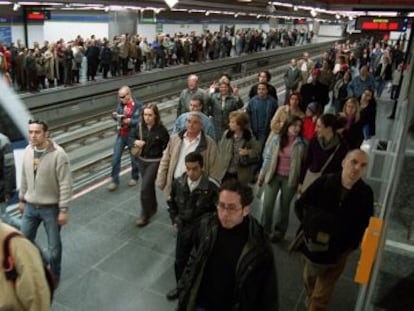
334 213
191 91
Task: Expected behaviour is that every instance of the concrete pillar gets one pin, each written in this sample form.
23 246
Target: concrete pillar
315 27
273 23
122 22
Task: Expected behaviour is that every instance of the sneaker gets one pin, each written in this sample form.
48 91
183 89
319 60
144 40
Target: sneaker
132 182
142 222
112 186
172 294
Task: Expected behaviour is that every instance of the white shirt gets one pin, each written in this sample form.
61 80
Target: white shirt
304 66
187 146
192 184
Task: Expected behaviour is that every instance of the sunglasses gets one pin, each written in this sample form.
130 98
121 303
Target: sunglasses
122 97
41 122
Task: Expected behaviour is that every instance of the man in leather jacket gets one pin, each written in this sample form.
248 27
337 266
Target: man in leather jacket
231 266
192 195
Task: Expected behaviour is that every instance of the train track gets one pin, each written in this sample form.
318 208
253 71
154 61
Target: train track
88 138
90 144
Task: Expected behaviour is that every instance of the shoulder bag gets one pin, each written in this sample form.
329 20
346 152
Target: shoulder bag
136 150
310 177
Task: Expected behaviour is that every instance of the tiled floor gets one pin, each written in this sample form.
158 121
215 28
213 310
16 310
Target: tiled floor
110 264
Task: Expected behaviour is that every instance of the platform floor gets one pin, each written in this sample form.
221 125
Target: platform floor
110 264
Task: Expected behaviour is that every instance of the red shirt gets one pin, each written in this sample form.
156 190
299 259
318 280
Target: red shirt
128 109
308 128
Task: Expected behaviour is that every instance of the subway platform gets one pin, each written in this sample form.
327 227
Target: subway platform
110 264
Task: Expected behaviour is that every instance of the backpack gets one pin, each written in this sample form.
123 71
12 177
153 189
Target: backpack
10 269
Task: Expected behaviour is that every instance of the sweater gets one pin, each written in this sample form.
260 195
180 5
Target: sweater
53 181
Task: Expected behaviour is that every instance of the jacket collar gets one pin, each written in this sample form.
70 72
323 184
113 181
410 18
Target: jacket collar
247 135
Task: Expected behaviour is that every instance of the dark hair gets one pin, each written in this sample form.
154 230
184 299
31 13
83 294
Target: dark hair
194 157
199 98
265 84
267 73
242 189
284 130
227 75
297 94
40 122
154 108
329 120
242 118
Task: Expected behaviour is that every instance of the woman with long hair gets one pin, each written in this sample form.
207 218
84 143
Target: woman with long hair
368 112
352 133
283 157
151 137
325 151
238 149
284 112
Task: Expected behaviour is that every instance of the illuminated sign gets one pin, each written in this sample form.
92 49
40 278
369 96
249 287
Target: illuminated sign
382 24
39 15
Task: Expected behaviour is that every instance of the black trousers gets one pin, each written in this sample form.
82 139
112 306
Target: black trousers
183 249
148 197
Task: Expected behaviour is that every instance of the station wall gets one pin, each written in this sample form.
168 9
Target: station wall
69 24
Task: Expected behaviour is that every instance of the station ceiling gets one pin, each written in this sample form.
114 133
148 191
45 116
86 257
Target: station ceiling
326 9
393 5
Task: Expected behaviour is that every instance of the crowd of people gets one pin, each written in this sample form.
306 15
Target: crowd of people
62 62
308 146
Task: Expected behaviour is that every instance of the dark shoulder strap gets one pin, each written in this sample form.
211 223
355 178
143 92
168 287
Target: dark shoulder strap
8 262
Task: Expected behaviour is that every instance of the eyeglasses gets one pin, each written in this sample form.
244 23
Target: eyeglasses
123 96
229 208
41 122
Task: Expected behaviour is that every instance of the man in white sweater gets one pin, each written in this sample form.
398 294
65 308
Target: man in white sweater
45 191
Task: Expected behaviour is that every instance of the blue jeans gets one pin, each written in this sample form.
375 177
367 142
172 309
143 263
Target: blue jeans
120 144
6 218
32 217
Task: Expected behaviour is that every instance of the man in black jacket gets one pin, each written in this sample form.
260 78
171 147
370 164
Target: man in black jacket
192 195
334 212
231 266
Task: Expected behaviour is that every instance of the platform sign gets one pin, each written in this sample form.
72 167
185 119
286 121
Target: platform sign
5 34
37 15
369 23
147 17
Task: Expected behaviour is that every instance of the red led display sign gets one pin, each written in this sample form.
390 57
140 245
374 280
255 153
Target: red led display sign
381 23
37 15
379 26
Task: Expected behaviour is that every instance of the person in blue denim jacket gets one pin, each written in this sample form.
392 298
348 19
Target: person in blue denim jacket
127 117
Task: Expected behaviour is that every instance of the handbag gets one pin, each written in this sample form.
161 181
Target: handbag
310 177
136 150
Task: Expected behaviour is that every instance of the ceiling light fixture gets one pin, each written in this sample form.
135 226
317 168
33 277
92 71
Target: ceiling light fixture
171 3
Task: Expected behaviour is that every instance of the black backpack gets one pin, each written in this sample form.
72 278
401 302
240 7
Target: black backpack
10 269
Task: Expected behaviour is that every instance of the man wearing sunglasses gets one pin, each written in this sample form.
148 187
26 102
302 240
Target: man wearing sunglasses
127 117
45 191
